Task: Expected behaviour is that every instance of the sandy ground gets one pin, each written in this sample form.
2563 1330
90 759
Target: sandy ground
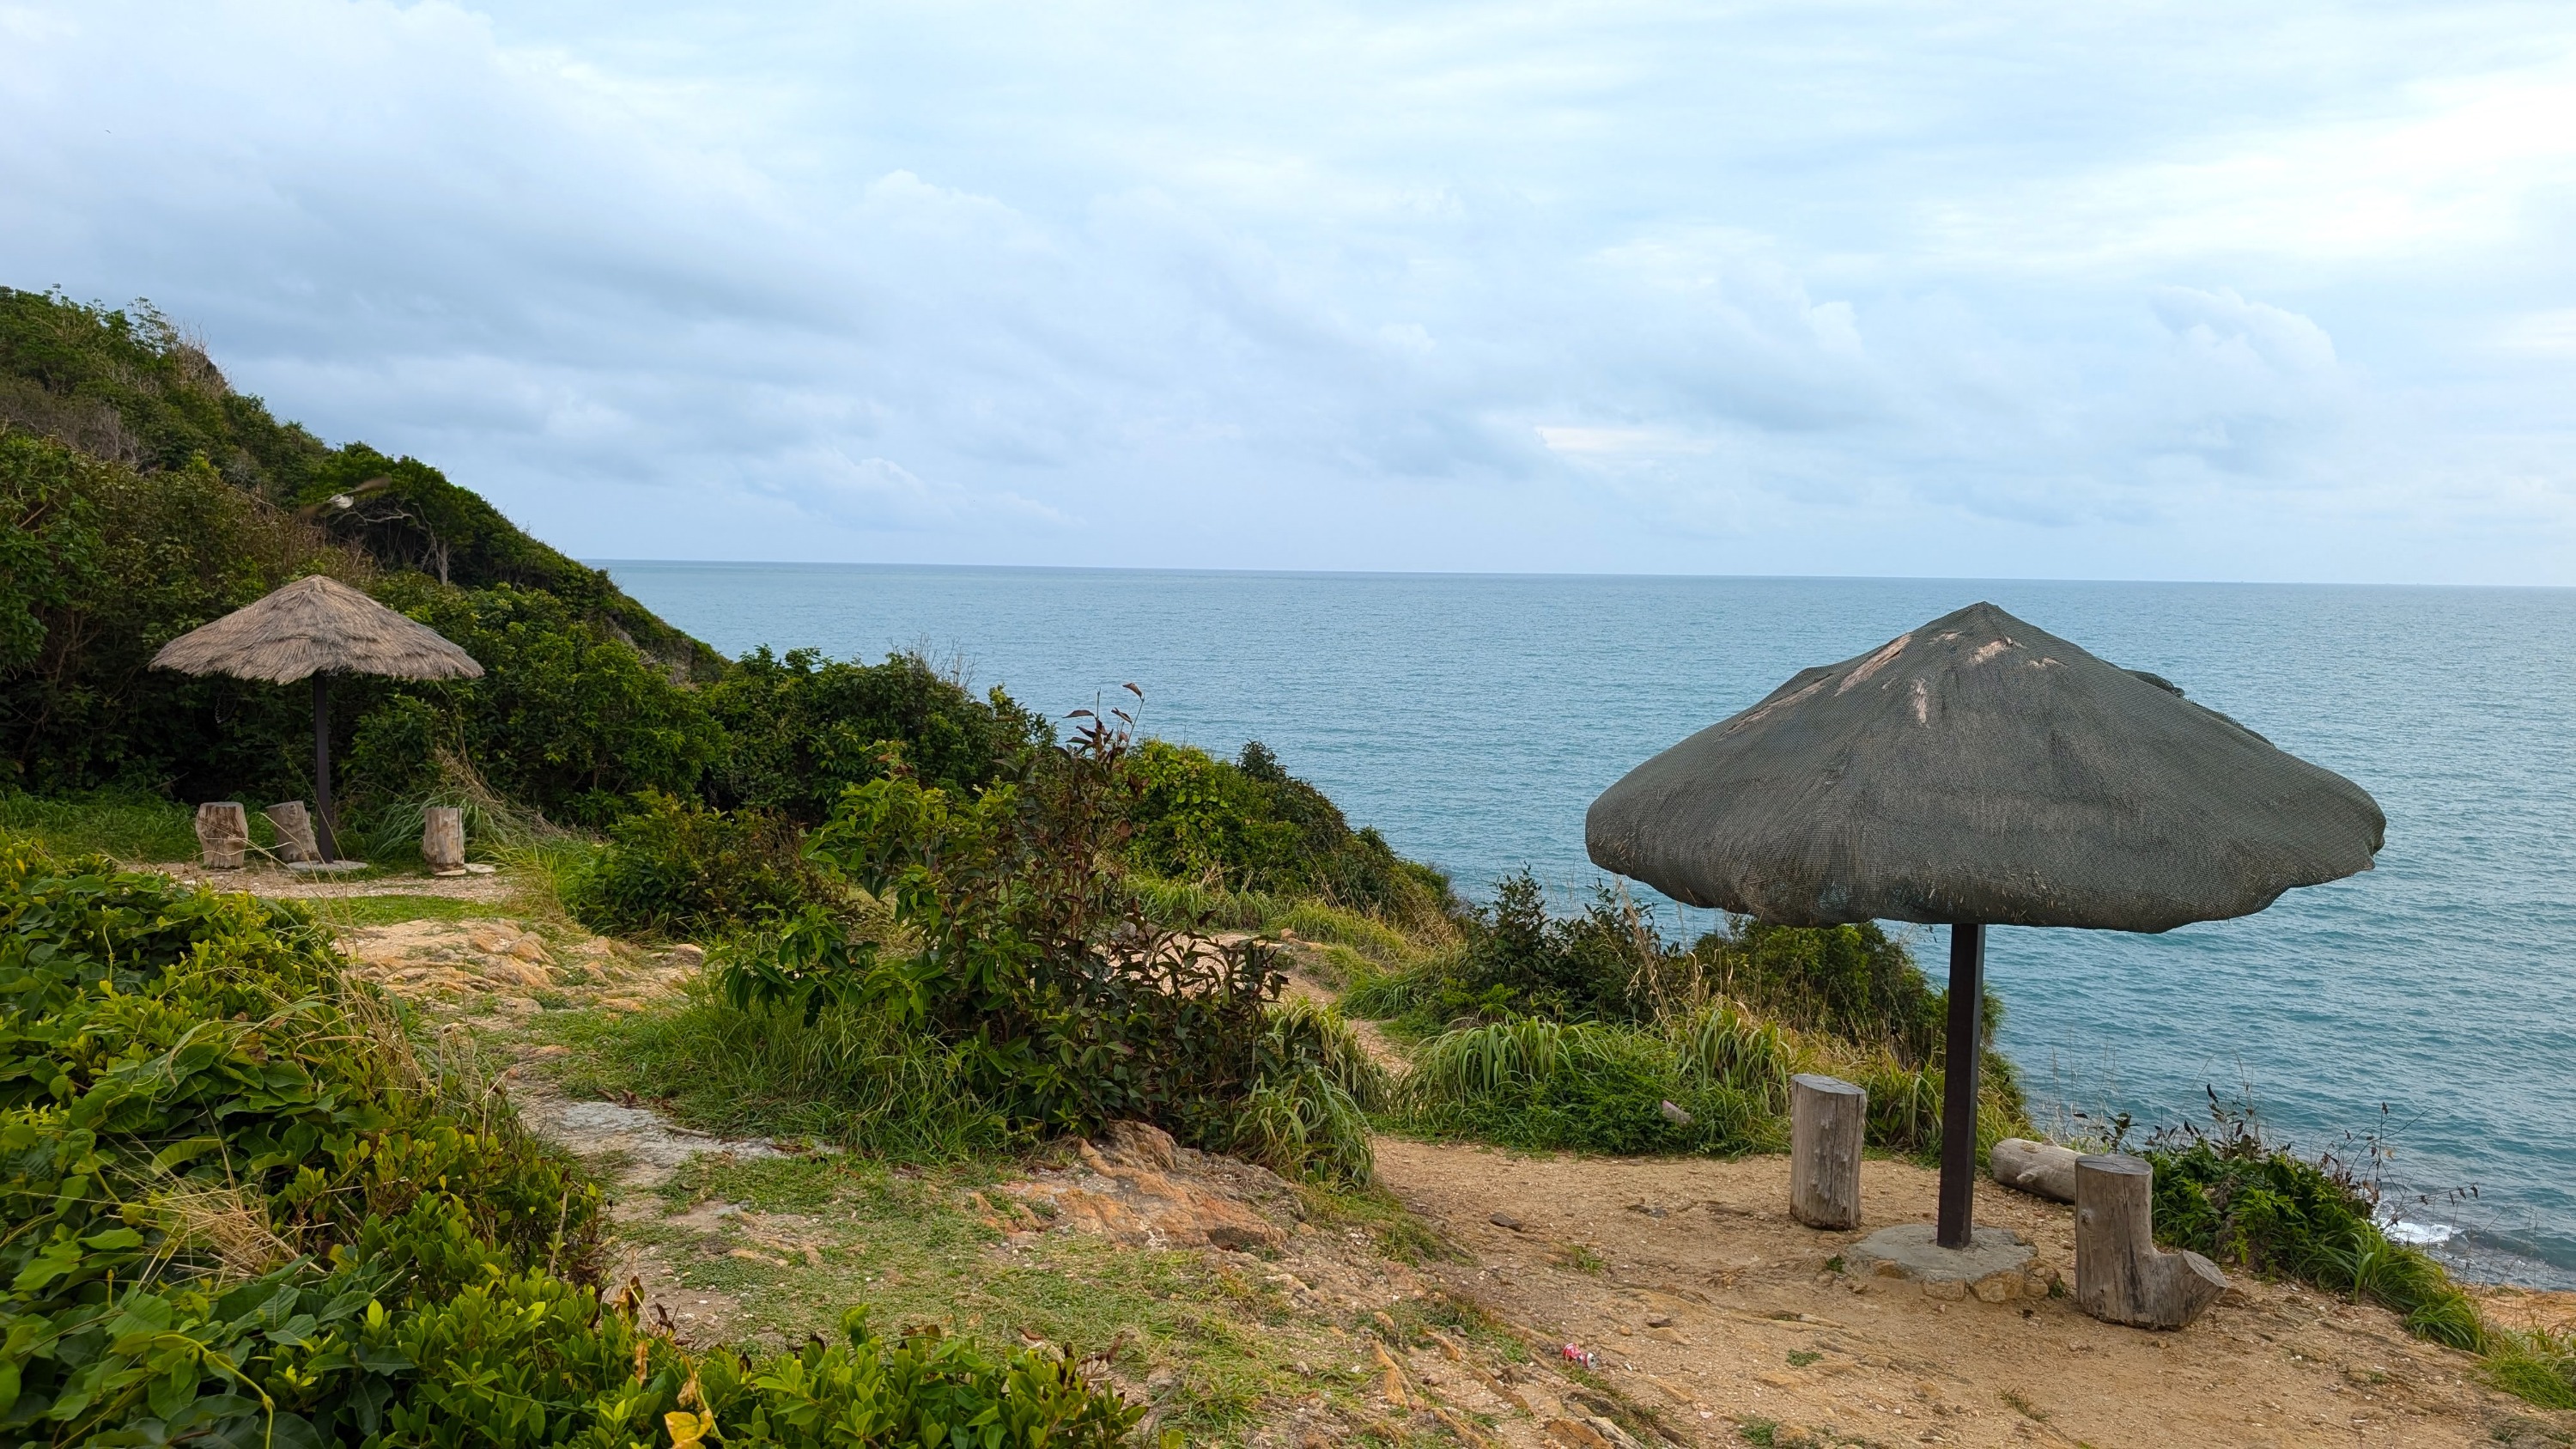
1710 1296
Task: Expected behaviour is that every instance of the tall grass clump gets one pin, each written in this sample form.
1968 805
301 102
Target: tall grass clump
852 1075
1594 1032
1535 1083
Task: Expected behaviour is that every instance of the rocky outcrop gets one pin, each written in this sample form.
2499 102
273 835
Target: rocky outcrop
1134 1185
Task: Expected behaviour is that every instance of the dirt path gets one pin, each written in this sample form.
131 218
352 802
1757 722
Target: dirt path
1711 1318
1708 1298
276 882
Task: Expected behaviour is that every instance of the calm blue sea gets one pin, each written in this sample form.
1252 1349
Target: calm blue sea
1473 719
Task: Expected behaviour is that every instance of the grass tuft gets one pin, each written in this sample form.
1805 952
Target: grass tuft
129 825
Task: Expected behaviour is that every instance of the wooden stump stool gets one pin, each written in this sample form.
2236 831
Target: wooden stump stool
2120 1274
1827 1118
294 832
442 839
223 834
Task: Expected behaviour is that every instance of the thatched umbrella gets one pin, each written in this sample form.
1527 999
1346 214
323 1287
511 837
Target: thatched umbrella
315 628
1976 772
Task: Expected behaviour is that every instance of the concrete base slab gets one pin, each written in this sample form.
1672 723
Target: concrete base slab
324 867
1995 1267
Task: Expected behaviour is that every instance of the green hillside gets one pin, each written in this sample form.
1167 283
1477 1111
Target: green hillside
130 388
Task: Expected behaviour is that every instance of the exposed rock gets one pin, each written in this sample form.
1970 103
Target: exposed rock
650 1148
1140 1188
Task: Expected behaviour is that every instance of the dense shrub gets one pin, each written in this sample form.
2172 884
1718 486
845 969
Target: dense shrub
1517 960
1249 825
193 1112
2225 1192
802 729
1855 982
1025 951
676 865
242 1211
113 564
567 717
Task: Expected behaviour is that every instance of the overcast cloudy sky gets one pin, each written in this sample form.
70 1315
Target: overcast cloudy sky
2137 291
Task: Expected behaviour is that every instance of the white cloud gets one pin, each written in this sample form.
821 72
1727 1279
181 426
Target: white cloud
2116 290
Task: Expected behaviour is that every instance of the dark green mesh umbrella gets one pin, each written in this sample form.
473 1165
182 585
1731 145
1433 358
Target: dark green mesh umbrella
1979 771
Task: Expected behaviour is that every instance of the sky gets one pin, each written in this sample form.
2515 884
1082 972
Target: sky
2170 291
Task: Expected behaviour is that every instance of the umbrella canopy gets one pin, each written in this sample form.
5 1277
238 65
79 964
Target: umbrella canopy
1982 770
1979 771
316 626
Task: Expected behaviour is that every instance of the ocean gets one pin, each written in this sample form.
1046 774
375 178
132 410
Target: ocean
2427 1006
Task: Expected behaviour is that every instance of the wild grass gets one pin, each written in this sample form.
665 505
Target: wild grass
1714 1082
1199 1329
1534 1083
1336 928
344 912
130 825
850 1077
2537 1365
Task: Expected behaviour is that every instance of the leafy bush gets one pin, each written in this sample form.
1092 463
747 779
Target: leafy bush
567 717
1249 825
1854 982
243 1211
2224 1192
675 865
800 730
193 1111
533 1360
1022 947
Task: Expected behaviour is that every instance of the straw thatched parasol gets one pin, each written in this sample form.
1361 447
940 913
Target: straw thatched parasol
1979 771
315 628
